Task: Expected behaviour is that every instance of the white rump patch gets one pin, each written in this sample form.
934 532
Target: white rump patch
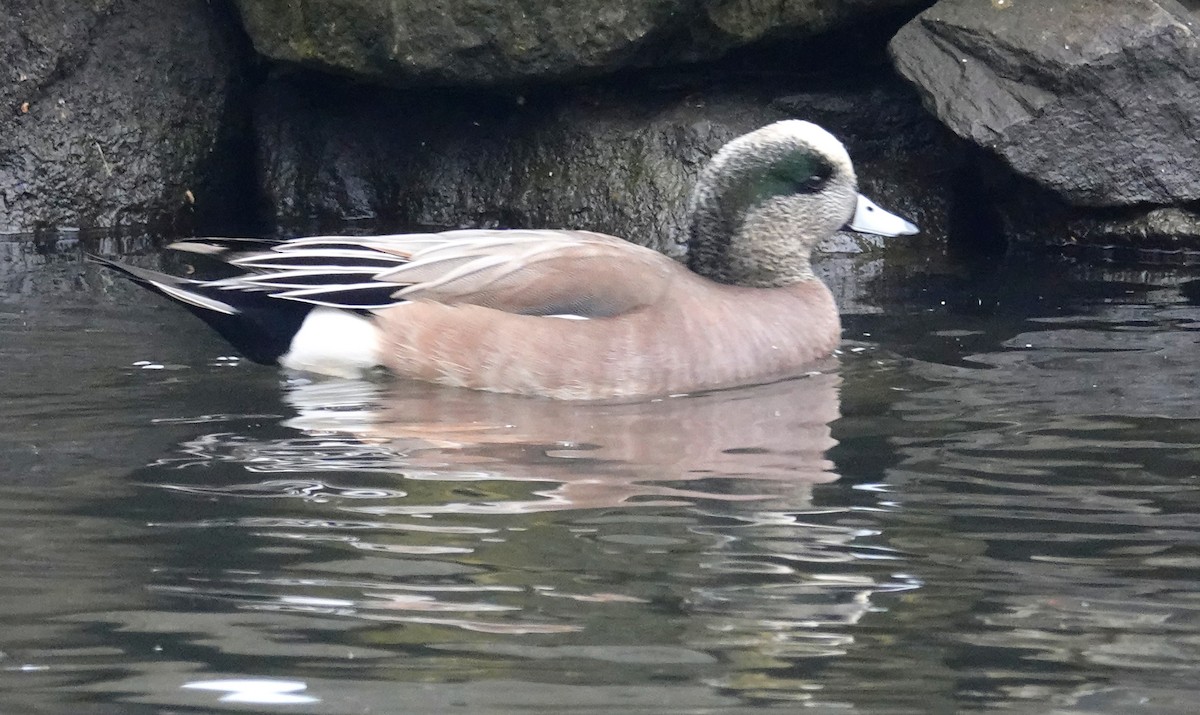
567 316
333 342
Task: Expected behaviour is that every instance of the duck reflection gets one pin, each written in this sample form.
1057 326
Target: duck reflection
729 445
737 445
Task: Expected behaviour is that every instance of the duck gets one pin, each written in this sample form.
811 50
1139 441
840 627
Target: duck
560 314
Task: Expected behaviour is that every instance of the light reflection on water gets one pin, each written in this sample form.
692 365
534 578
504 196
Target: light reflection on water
990 502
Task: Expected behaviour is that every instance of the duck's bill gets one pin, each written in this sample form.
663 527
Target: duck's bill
869 218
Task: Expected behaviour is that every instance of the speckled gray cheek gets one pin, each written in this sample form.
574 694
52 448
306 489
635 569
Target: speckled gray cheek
772 247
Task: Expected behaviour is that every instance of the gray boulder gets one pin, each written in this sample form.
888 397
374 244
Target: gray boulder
488 42
1098 101
113 109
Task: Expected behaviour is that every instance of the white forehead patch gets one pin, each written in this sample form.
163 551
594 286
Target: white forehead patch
811 134
789 132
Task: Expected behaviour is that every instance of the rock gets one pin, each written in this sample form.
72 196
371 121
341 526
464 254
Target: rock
1167 228
491 42
113 109
611 159
1030 217
1098 101
332 153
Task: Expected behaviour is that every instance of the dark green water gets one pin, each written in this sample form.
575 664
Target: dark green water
991 503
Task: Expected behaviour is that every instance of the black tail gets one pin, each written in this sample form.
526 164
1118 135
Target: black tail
257 325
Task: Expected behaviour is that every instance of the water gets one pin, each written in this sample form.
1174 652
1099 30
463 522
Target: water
989 502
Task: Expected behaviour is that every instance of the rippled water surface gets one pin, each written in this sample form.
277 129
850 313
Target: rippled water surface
989 503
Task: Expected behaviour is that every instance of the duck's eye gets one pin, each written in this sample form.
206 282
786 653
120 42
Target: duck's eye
813 181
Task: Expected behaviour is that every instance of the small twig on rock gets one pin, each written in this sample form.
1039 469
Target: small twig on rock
107 168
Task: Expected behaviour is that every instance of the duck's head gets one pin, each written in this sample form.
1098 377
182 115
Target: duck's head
768 197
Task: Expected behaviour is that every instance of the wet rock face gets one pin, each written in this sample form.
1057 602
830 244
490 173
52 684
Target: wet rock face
489 42
1097 100
557 159
111 109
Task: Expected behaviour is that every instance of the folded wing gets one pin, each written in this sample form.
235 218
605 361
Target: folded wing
528 272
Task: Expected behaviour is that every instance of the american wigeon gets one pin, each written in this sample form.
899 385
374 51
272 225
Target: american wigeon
564 314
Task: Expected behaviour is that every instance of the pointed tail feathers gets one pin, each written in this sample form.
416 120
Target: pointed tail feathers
259 326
